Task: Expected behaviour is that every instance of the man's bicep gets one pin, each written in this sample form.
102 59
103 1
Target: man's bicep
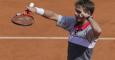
91 36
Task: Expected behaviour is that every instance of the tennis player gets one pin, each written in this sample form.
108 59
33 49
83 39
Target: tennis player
83 29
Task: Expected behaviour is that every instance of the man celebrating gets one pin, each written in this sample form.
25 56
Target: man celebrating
83 29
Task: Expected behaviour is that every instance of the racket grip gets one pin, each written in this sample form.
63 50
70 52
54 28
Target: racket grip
27 11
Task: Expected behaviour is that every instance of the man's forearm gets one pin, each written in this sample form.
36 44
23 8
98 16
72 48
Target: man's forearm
47 13
95 26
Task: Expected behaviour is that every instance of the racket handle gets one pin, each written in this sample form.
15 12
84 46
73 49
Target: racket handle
27 11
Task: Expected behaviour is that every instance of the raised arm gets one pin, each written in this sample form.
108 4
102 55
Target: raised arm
96 28
45 13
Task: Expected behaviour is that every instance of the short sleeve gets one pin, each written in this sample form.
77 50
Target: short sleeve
66 22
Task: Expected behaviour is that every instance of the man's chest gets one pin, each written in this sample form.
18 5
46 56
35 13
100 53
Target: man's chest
81 33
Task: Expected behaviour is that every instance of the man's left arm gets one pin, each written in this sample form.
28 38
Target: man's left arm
95 26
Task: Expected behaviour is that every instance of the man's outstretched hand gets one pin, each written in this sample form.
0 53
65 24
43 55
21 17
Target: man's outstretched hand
31 7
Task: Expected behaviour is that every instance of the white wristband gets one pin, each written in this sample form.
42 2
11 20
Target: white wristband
40 11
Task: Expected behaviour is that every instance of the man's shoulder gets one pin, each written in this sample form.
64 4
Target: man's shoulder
69 17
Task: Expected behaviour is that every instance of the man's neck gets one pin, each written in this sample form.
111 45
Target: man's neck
82 23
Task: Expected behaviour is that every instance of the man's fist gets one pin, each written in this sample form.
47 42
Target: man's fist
31 7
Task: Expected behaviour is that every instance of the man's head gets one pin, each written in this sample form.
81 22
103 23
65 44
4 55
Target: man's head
86 6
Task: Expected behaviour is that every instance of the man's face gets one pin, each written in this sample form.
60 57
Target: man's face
78 14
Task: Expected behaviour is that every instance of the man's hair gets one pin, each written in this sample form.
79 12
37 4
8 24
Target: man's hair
87 4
